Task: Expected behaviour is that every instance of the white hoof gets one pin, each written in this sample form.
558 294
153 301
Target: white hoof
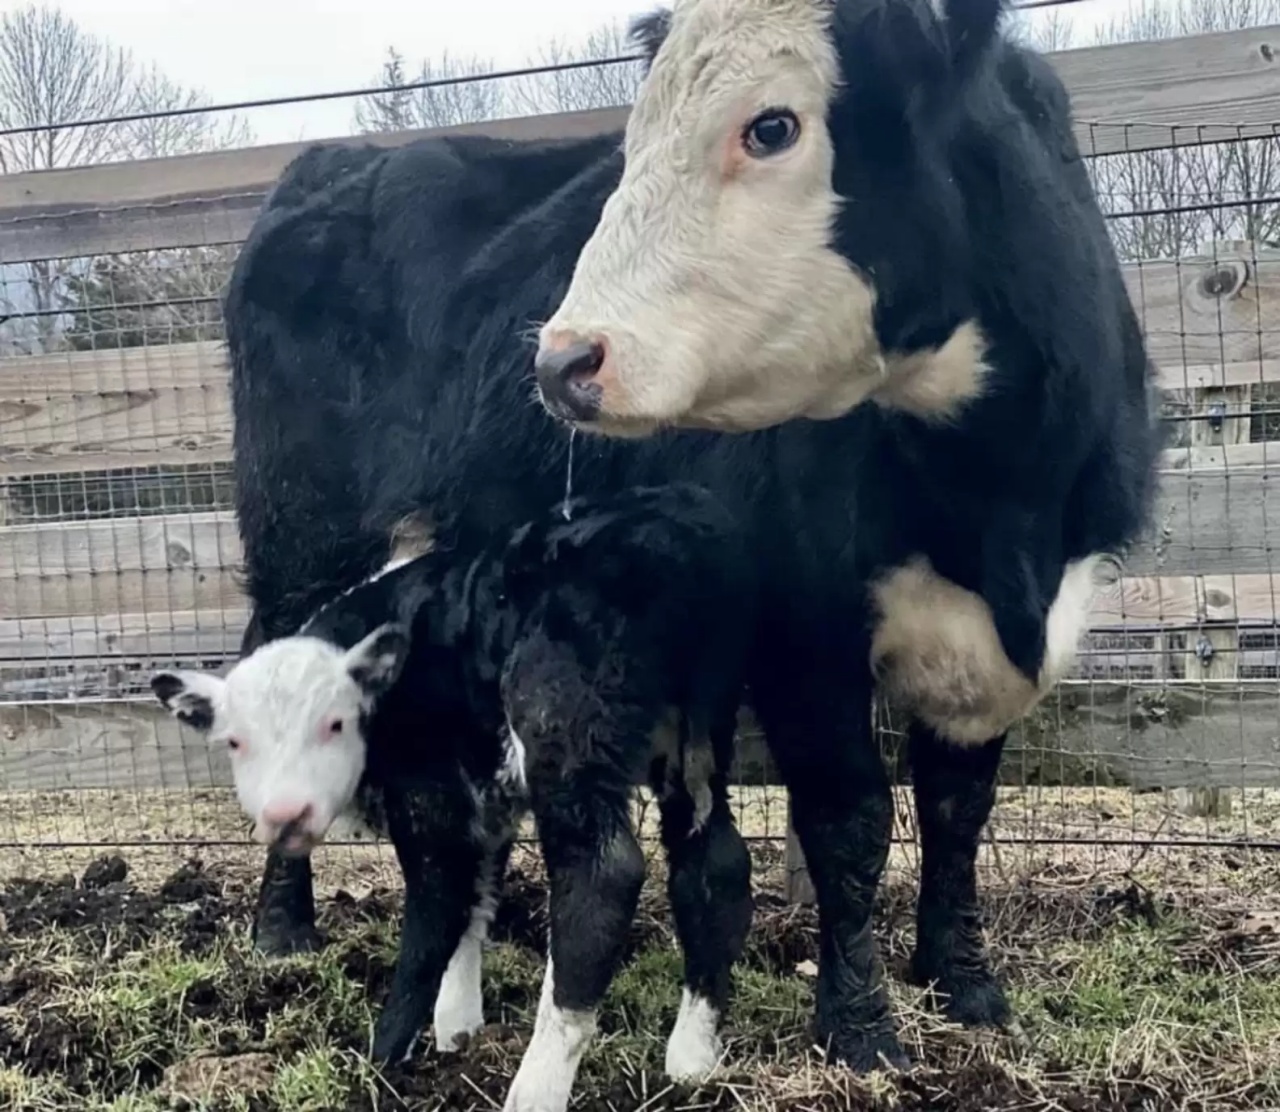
694 1049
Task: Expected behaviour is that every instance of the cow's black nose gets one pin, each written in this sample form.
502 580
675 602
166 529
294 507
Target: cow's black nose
565 378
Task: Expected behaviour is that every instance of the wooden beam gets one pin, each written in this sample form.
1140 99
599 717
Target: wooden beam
1174 92
1211 321
138 640
96 410
136 565
1191 90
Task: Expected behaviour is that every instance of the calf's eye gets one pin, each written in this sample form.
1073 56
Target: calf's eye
335 727
771 132
234 744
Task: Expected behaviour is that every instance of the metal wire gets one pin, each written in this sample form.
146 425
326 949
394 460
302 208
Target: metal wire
377 90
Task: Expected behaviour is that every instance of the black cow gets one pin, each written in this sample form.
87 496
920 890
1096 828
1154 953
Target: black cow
557 667
927 245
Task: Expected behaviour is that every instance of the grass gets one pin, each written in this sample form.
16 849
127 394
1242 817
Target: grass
150 998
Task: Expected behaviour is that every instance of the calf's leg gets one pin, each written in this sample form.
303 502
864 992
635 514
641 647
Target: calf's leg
442 867
459 1010
955 791
709 886
820 735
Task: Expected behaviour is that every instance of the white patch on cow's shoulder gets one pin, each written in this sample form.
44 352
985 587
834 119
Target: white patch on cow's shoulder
711 278
694 1048
545 1079
936 385
936 650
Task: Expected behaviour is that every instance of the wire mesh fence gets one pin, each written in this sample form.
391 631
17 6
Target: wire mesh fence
119 549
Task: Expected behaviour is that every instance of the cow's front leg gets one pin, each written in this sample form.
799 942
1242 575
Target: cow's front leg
820 735
284 920
955 791
596 869
709 886
432 832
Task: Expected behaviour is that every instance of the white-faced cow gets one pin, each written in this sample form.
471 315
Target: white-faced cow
819 204
882 202
553 668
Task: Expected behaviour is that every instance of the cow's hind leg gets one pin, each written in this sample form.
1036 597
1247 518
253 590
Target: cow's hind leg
709 885
955 791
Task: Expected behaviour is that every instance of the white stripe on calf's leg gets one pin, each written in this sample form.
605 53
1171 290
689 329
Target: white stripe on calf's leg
459 1008
694 1048
545 1079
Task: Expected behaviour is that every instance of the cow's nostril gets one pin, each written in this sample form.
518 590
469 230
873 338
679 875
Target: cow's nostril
576 363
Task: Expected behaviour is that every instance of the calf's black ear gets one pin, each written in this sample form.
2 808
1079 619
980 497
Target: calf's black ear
188 696
649 32
376 662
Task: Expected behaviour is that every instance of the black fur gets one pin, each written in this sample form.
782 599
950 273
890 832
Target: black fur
378 328
582 635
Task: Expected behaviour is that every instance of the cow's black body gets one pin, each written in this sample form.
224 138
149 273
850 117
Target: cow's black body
379 320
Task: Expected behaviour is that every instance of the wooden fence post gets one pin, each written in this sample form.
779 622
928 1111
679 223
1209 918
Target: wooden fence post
799 885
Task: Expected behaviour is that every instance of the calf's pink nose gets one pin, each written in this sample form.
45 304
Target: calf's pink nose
284 812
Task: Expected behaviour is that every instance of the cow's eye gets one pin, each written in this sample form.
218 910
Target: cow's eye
234 744
771 132
335 727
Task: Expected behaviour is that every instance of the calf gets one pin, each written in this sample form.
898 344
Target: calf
558 668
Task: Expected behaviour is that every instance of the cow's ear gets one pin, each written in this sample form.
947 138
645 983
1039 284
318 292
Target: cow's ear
191 697
376 662
649 32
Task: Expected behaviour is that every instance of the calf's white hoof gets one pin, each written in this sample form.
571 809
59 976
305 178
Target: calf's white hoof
694 1049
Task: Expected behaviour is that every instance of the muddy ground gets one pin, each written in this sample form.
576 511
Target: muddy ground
136 996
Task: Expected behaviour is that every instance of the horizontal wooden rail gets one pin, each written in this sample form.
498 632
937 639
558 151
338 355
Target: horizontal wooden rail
1211 322
1127 97
134 572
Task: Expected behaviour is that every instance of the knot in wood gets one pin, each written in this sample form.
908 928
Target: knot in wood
1224 279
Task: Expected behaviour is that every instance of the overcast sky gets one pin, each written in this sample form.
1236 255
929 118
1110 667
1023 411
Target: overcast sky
245 49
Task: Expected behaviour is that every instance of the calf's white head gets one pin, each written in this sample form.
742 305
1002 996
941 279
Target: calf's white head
293 715
719 289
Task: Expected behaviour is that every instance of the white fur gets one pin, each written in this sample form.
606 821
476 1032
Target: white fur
711 275
694 1049
545 1079
459 1008
276 703
937 652
512 772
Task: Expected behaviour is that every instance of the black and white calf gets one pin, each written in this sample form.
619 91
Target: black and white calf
861 228
555 669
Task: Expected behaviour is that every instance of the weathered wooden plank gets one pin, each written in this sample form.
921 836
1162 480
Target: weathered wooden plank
1192 734
1211 87
1210 322
133 638
108 745
97 410
1174 92
1188 735
134 565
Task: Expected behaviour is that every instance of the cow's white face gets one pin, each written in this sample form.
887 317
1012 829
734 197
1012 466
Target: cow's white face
293 715
710 294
